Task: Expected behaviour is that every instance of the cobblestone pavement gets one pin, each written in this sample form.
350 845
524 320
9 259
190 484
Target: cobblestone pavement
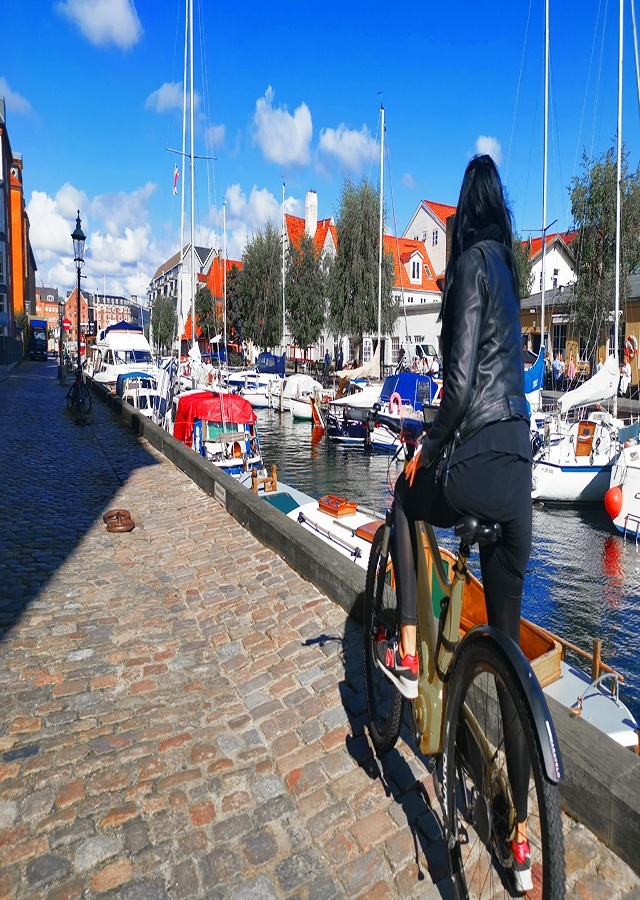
181 715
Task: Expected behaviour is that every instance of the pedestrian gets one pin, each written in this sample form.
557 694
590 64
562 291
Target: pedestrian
556 370
625 377
571 371
327 364
476 457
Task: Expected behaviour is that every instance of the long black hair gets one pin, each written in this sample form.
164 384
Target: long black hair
482 213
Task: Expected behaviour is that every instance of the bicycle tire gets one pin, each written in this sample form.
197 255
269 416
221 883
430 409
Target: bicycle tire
85 399
384 700
478 806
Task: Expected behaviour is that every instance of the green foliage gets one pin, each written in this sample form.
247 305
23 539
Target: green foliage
593 209
353 284
164 322
305 293
235 313
206 313
523 265
259 288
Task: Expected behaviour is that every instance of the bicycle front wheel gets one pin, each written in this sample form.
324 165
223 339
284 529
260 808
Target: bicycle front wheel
487 707
384 700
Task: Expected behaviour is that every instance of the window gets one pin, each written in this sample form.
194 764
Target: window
541 280
434 238
424 236
415 270
559 338
395 349
2 265
427 271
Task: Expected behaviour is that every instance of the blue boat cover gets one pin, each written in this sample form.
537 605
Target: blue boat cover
268 364
413 388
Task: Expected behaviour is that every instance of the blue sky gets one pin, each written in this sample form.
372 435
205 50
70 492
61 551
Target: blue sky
291 90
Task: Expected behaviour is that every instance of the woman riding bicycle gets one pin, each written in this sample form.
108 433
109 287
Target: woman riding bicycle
476 458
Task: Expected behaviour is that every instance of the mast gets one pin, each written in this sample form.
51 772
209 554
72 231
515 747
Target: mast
224 282
616 314
380 229
284 226
192 161
182 186
544 168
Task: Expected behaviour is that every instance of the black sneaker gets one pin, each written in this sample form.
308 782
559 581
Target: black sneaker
522 866
403 671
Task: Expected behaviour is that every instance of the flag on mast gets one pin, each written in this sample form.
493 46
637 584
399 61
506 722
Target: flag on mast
176 175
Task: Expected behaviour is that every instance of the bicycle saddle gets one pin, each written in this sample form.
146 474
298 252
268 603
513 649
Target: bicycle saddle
472 531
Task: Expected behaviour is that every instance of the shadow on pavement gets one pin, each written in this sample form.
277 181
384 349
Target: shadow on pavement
58 480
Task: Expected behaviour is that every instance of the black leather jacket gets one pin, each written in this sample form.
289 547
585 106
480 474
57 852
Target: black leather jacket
481 345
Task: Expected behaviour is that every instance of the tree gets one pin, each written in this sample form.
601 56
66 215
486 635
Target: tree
208 316
593 209
353 285
164 322
260 287
521 253
305 286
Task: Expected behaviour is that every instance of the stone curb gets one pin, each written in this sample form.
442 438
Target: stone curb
601 785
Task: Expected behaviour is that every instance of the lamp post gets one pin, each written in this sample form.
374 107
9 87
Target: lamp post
78 238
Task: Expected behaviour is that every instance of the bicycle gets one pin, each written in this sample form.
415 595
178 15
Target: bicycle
78 395
467 686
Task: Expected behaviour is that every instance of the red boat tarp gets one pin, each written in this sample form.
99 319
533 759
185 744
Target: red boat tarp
210 407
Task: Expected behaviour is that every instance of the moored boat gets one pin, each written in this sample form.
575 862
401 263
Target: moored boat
221 428
622 500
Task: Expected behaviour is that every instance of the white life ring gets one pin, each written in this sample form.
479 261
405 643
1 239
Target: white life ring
395 400
631 346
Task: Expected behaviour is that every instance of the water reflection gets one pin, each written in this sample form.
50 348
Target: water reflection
582 580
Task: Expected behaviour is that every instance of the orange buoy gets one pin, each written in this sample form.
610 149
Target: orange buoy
613 501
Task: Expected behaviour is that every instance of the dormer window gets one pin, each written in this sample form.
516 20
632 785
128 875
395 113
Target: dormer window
415 270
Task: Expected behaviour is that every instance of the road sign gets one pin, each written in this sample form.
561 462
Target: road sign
66 324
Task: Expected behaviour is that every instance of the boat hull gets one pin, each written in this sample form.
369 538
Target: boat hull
556 483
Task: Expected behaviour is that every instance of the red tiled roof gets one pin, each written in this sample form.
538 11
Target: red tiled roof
215 276
567 237
402 250
441 211
296 230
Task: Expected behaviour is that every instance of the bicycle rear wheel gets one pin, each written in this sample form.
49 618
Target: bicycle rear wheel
480 816
85 398
384 700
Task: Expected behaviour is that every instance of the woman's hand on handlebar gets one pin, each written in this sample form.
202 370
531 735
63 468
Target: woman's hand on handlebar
412 467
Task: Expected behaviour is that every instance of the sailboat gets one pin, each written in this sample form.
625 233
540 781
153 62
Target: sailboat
573 461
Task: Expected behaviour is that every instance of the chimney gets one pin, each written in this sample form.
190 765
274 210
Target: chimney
311 213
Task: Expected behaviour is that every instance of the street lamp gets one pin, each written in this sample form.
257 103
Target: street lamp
78 238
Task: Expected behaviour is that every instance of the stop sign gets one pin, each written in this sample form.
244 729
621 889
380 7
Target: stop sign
66 324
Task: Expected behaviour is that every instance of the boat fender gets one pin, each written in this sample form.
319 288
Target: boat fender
395 400
613 501
237 450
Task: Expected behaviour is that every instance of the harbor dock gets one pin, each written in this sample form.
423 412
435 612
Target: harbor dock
182 709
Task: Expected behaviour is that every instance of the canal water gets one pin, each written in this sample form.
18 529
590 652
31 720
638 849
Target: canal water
583 579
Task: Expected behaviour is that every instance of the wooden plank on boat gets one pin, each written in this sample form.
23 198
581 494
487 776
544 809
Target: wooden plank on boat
368 531
337 506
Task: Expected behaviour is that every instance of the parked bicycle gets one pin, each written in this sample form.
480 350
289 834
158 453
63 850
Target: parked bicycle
475 694
78 395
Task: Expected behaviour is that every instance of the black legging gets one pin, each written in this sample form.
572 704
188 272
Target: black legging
494 487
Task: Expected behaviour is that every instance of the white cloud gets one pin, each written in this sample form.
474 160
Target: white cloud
120 254
104 22
216 135
351 148
15 102
491 146
168 97
282 137
408 181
